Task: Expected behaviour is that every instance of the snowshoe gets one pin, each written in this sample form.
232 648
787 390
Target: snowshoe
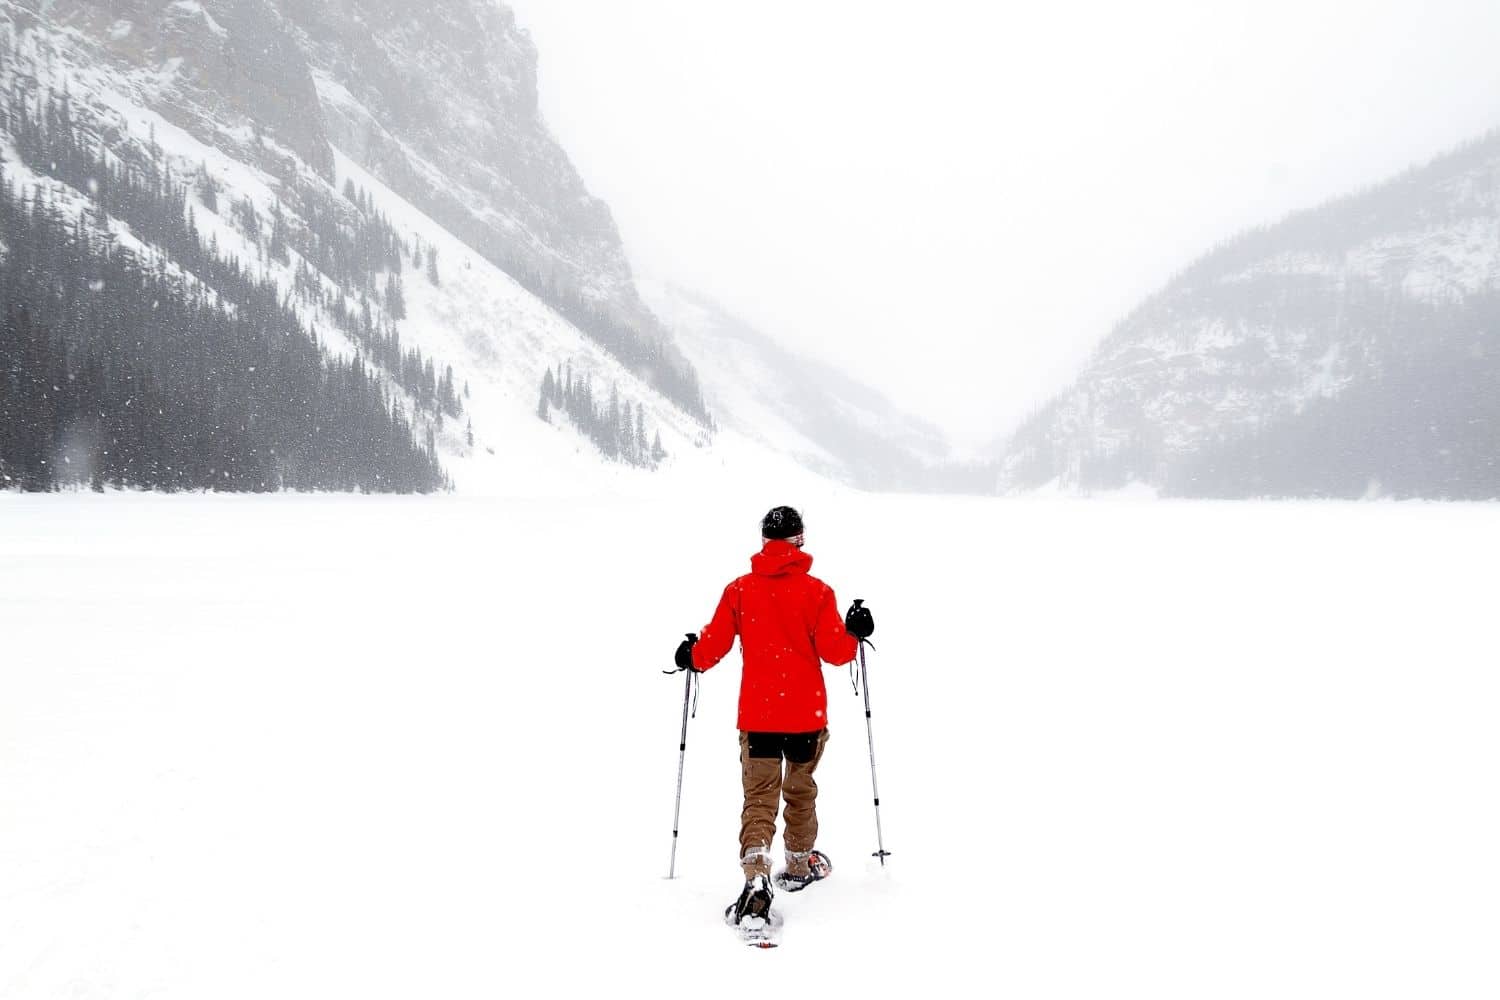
753 908
818 868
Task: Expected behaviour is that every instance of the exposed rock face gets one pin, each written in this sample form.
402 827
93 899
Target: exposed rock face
221 69
439 100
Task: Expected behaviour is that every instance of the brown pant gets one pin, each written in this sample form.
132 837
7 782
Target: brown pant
766 785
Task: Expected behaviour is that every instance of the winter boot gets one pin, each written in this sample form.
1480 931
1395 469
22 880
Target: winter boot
754 905
803 869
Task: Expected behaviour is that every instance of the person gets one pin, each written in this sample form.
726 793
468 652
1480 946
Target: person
788 625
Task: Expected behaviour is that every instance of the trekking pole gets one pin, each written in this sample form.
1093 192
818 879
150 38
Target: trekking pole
864 678
687 689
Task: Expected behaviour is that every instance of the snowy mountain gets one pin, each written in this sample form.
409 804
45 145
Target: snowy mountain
439 101
254 140
811 411
1350 350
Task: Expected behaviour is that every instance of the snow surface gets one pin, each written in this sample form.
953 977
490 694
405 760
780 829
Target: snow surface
323 746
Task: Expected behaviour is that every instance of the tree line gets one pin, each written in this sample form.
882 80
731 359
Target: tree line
649 353
120 368
617 427
356 248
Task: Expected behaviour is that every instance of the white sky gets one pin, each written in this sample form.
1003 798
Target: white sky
956 200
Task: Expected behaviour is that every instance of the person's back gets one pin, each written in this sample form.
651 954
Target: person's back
788 624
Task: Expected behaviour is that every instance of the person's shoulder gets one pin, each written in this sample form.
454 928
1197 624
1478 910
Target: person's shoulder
817 586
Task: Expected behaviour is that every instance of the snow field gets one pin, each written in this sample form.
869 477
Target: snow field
384 747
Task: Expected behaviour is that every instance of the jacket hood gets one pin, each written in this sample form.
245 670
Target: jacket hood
779 558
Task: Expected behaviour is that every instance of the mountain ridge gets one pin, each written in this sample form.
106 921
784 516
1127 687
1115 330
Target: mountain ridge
1242 375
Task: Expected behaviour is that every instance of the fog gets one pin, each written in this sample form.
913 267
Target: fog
956 201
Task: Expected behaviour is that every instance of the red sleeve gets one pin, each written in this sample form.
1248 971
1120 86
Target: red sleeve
717 637
832 641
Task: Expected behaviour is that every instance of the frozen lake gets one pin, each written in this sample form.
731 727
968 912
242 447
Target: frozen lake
330 747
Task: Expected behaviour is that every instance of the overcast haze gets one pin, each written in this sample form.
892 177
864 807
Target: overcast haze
955 201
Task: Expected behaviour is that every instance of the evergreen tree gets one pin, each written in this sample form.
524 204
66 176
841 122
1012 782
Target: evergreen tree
395 301
206 188
278 247
447 398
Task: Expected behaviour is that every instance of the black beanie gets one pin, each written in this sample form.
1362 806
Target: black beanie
783 523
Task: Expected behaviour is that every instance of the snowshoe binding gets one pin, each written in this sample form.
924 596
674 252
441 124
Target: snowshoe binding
753 908
751 915
818 867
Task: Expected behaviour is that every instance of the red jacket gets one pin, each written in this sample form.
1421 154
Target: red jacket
788 622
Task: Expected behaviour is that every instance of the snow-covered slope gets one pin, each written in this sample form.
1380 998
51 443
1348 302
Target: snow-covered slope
155 85
805 409
502 339
1349 350
439 100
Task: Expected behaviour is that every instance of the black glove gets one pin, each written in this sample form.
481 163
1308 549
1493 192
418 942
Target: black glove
858 621
684 657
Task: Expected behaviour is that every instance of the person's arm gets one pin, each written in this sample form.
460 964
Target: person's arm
832 641
717 637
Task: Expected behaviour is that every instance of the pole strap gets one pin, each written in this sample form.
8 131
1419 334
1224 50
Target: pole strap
854 674
692 683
